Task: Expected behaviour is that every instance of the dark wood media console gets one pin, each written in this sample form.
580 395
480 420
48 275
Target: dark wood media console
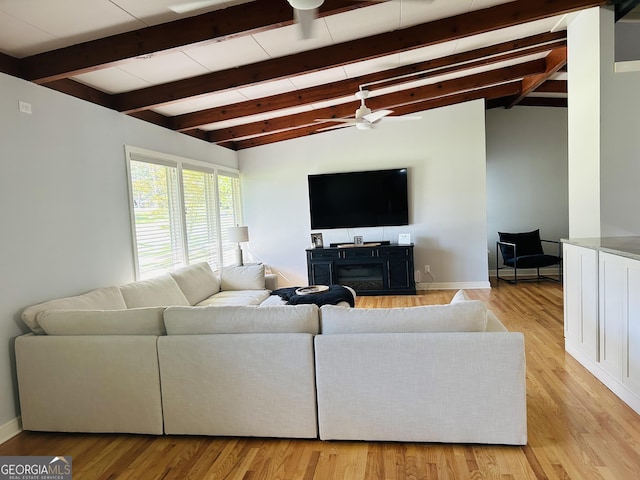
370 269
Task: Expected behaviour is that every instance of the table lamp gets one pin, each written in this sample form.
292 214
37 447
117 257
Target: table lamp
237 235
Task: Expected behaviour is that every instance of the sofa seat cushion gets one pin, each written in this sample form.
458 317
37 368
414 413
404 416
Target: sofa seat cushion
108 298
162 291
469 316
241 319
197 282
236 297
134 321
242 277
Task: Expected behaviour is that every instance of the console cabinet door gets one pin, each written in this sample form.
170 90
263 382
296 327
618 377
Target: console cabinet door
611 316
399 274
631 313
581 299
321 273
399 267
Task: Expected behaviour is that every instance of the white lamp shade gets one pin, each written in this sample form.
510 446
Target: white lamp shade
238 234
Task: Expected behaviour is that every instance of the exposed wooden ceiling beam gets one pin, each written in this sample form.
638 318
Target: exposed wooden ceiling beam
82 91
476 22
418 71
393 100
10 65
624 7
499 91
553 86
544 102
159 119
219 25
556 59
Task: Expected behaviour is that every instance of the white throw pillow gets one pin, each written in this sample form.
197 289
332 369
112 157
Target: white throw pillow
162 291
242 277
135 321
197 282
468 316
241 319
108 298
460 296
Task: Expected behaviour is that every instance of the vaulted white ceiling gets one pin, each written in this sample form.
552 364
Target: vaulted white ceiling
30 32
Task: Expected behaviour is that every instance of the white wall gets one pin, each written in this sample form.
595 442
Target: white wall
627 41
619 130
584 124
526 173
64 204
445 154
604 122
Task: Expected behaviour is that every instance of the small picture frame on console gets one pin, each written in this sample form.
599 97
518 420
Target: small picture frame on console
316 240
404 239
358 240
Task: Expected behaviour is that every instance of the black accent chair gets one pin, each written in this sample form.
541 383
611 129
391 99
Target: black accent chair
524 250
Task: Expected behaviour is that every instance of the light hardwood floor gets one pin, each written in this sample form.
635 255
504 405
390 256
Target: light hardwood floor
577 428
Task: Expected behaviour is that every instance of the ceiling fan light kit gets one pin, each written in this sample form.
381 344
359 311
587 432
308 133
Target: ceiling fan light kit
305 4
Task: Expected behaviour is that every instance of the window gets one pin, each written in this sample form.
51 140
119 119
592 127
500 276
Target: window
180 212
229 193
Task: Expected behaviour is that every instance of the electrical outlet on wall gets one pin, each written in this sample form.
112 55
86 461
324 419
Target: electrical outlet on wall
427 269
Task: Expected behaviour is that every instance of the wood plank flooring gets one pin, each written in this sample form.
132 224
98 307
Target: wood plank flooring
577 428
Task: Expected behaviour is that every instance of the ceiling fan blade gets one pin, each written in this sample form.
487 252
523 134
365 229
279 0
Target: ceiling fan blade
402 118
377 116
192 5
335 127
305 19
339 120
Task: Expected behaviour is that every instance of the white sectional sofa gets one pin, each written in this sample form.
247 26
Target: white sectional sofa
142 358
387 374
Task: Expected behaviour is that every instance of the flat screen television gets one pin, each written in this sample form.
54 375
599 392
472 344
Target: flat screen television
359 199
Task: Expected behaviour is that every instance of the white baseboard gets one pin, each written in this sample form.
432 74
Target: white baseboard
452 285
10 429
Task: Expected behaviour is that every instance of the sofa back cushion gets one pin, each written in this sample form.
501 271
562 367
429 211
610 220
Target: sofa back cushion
134 321
242 277
197 282
160 291
241 319
108 298
470 316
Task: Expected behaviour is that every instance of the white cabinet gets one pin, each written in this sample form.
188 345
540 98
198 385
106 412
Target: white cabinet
631 325
611 296
602 317
619 288
581 300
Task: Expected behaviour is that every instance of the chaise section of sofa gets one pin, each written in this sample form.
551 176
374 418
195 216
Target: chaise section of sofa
239 371
420 374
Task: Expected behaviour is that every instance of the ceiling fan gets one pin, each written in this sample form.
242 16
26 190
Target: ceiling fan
305 11
364 118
